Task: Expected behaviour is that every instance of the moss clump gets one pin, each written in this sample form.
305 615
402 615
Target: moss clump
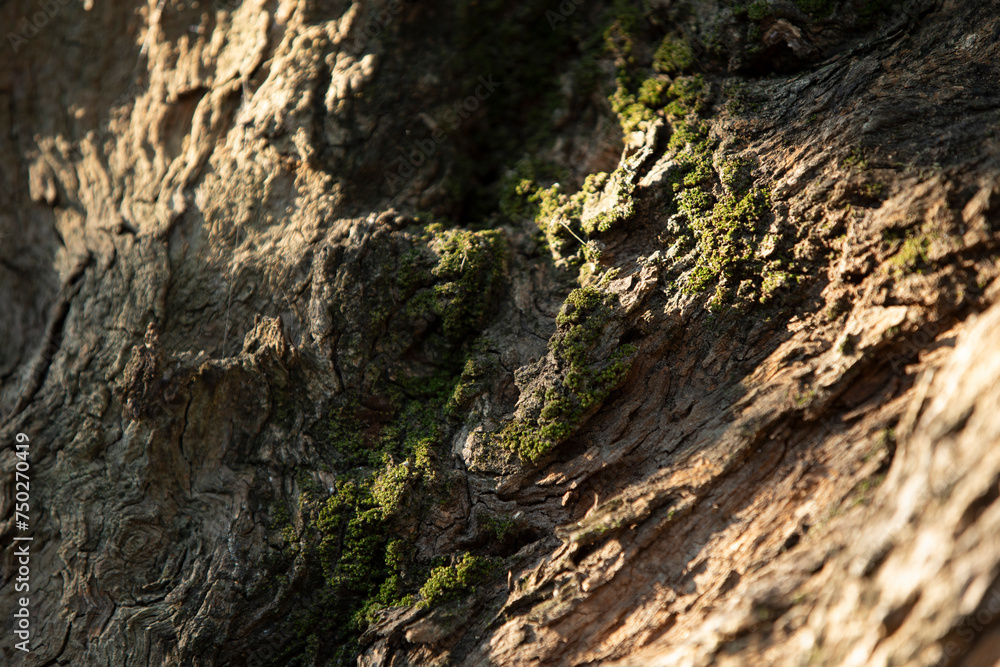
639 93
353 544
672 56
856 158
346 536
450 582
583 317
653 93
559 216
736 174
633 115
413 271
727 242
529 176
689 95
471 383
758 10
638 101
390 486
623 182
342 431
724 233
912 256
556 213
588 377
470 271
499 527
361 533
383 447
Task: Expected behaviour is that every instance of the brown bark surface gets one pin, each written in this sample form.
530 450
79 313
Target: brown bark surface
218 284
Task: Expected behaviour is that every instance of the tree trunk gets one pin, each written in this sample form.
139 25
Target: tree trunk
462 333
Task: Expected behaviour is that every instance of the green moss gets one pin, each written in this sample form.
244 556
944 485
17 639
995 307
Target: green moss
775 278
350 544
351 534
623 183
588 377
414 271
360 532
673 55
689 96
759 10
499 527
618 39
360 535
912 253
639 97
873 190
727 231
471 383
652 93
420 425
450 582
471 274
343 432
727 241
632 114
390 486
278 516
856 159
683 96
558 215
527 177
736 175
912 256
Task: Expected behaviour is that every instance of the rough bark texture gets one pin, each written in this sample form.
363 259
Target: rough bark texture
319 365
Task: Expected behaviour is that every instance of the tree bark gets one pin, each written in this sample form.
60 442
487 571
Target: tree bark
296 389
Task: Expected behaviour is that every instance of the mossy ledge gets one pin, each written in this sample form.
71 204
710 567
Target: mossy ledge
356 535
591 363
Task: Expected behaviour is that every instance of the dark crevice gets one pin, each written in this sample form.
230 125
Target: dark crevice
53 337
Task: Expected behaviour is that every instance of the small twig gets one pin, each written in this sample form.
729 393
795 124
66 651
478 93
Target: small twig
582 242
